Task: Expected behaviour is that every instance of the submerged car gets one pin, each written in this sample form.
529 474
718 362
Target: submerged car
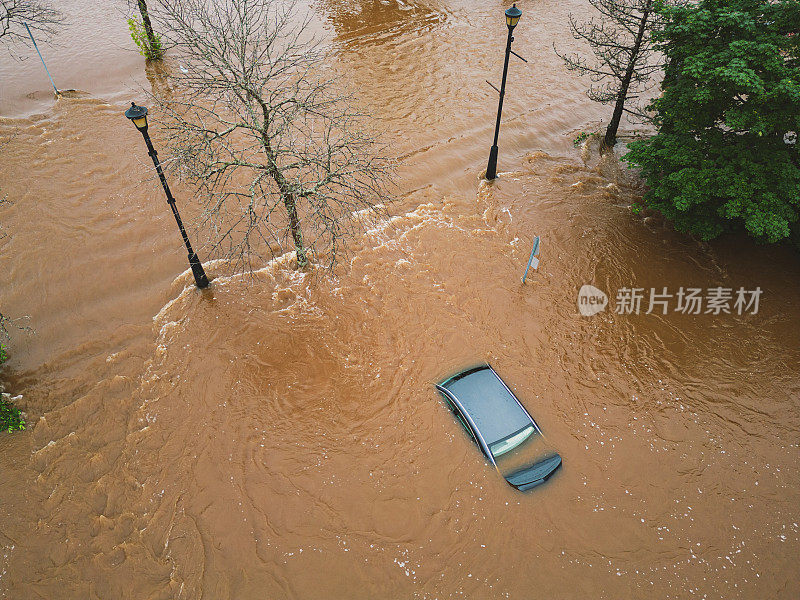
500 426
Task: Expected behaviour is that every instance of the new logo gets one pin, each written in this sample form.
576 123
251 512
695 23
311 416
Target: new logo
591 300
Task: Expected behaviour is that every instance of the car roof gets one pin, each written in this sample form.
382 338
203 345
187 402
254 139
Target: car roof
491 406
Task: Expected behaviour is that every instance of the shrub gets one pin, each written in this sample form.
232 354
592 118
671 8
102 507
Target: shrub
149 48
10 417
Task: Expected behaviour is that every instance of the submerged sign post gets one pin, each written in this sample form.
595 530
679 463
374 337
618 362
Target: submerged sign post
41 58
533 261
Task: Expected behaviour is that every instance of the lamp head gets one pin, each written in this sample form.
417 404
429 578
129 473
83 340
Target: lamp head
512 16
138 114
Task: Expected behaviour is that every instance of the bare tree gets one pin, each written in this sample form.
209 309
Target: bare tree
40 16
624 57
277 149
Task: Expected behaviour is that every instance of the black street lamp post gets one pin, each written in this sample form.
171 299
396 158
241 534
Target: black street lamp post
512 18
138 114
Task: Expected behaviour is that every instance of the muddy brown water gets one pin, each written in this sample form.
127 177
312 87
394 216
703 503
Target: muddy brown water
279 437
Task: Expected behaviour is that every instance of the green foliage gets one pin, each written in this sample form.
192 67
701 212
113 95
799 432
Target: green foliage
10 417
580 138
726 154
149 48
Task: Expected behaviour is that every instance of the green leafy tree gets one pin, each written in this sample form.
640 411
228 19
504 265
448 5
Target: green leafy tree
726 154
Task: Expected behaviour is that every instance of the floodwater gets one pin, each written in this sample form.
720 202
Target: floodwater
278 436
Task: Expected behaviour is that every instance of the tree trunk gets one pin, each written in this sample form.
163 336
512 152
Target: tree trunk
611 131
287 196
155 50
297 233
610 138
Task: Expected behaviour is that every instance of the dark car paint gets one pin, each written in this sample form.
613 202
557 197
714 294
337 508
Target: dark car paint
529 477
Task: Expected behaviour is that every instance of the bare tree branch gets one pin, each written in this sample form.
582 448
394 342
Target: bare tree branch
624 59
281 154
40 16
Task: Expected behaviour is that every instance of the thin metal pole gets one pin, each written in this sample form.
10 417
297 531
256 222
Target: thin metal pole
491 169
534 252
200 277
40 58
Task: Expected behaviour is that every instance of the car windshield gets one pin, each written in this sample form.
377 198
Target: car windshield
507 444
